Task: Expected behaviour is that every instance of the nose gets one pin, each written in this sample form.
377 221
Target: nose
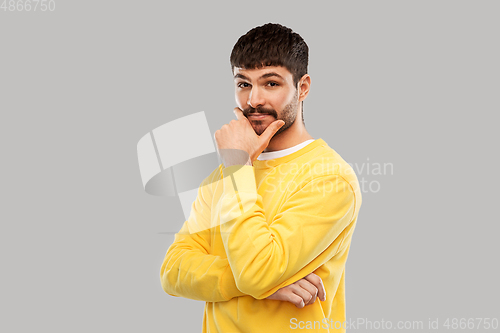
256 98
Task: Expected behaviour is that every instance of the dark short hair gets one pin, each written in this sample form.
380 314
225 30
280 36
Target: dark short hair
271 44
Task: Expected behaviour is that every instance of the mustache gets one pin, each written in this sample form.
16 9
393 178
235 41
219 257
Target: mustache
250 110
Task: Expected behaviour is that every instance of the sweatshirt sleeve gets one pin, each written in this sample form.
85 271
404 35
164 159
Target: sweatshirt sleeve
188 269
307 231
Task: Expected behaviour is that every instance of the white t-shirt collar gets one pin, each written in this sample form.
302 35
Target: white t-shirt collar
280 153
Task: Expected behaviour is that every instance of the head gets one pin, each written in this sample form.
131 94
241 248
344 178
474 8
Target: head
269 65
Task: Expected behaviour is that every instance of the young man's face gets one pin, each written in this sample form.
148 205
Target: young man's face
269 92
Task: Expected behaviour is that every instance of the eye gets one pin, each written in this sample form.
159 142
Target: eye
273 84
242 85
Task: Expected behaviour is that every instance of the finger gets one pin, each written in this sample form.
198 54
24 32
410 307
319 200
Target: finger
239 114
310 288
304 293
296 300
287 294
318 283
270 130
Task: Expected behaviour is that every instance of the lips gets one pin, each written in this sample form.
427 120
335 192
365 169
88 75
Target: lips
257 116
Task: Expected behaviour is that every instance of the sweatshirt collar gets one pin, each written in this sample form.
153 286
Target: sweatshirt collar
270 160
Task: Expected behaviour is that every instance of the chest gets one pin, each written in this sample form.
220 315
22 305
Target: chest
273 186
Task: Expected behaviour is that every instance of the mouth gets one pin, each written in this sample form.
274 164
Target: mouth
255 116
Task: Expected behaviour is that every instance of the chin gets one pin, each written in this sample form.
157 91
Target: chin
260 127
259 130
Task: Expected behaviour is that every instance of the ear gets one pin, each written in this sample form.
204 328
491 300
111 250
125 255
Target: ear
303 86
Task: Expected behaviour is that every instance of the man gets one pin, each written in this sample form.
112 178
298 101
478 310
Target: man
270 230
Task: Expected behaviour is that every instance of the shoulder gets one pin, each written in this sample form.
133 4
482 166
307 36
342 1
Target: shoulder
323 161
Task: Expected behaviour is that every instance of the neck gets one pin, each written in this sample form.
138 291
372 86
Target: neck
293 136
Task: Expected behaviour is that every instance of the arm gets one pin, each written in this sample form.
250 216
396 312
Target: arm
307 232
188 269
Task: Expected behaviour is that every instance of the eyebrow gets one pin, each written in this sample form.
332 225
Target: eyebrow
265 76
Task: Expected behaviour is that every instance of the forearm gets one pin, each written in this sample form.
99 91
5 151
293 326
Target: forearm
195 275
189 269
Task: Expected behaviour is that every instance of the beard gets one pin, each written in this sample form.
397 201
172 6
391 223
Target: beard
288 115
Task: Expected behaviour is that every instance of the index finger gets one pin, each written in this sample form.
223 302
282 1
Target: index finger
318 283
239 114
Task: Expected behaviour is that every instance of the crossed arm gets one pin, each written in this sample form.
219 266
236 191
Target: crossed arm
190 271
272 254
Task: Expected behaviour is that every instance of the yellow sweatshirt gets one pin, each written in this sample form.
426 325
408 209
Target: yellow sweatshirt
255 229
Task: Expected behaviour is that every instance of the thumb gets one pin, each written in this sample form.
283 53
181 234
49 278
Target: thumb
271 129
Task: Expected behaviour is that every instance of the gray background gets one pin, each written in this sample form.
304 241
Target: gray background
412 83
